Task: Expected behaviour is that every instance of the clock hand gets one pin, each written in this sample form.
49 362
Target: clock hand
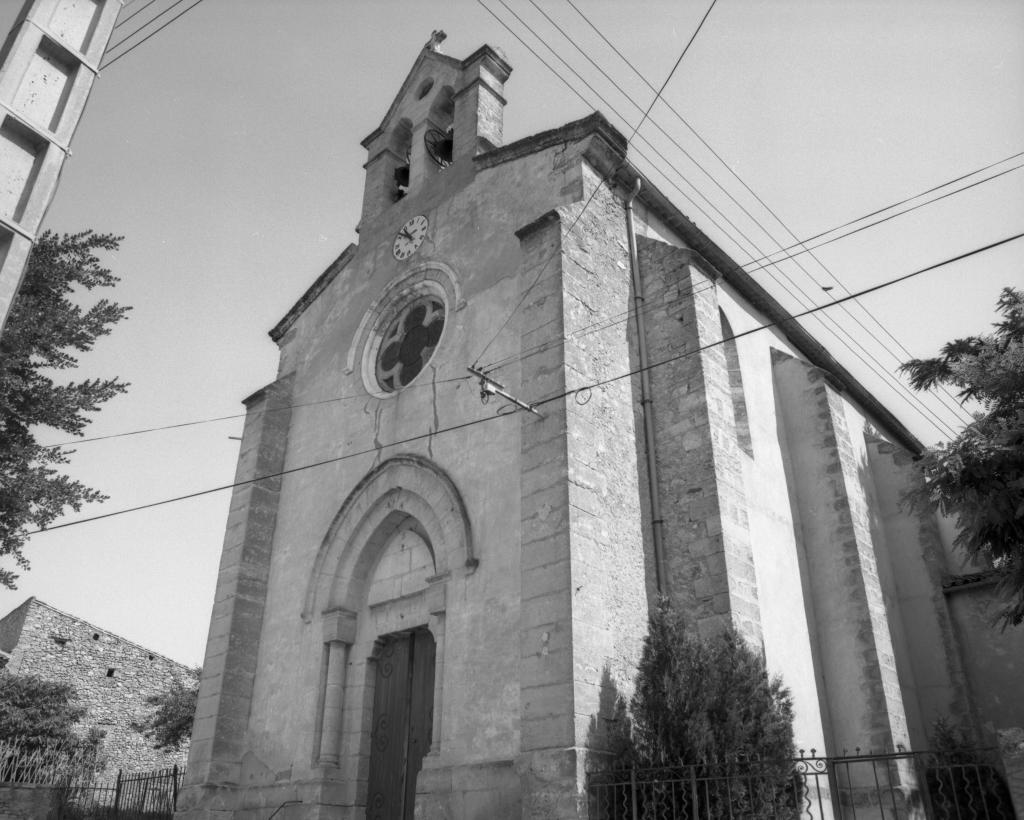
406 234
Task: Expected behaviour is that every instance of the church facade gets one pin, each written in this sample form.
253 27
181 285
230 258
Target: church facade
427 604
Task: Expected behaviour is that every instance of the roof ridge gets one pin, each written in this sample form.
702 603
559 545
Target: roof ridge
107 631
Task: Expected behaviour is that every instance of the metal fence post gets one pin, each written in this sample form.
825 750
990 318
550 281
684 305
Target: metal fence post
117 794
921 769
174 801
694 812
833 786
632 791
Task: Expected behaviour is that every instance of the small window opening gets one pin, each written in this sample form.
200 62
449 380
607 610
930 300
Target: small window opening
95 636
150 657
110 672
401 144
60 640
424 88
739 402
439 140
402 180
440 146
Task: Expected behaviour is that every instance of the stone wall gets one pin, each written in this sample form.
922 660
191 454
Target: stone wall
710 567
27 801
112 676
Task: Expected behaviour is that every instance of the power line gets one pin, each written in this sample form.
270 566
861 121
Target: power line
130 16
753 193
792 317
194 422
657 95
548 400
912 399
594 327
613 319
278 474
151 34
145 24
605 178
760 263
735 201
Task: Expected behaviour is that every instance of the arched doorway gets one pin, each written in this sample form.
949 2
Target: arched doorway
379 590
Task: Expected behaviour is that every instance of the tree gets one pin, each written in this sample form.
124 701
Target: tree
978 477
709 705
38 712
170 724
706 701
45 330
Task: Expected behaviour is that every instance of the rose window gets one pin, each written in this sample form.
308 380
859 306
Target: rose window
409 341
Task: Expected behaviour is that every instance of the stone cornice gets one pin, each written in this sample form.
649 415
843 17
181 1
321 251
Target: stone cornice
594 125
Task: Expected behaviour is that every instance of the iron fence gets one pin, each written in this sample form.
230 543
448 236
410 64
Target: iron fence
140 796
898 786
69 770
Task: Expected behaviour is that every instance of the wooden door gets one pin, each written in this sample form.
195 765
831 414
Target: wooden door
403 711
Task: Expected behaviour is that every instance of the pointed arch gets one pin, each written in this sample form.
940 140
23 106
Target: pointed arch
404 492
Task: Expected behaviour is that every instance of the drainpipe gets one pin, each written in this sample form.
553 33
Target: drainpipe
646 406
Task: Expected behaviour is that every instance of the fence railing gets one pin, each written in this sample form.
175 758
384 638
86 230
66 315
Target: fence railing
71 772
898 786
141 796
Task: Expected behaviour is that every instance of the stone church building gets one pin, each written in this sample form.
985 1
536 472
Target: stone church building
427 604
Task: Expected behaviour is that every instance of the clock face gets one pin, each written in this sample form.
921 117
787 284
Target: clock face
410 238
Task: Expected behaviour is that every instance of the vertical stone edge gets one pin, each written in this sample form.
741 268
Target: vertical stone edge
547 759
609 564
229 668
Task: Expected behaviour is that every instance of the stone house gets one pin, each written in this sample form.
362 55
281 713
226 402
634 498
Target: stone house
427 604
112 676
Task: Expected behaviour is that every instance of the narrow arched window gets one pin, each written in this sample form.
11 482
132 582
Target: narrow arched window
739 401
401 144
439 139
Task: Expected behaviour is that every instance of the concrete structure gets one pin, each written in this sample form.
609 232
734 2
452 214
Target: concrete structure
47 67
112 676
426 606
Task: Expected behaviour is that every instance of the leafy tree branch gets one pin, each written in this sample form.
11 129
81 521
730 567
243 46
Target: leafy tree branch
46 330
978 477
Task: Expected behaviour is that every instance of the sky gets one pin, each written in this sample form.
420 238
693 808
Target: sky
225 149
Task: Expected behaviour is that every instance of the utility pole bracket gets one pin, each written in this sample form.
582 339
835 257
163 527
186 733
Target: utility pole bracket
489 387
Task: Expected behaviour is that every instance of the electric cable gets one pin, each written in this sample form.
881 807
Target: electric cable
612 319
764 261
145 24
739 179
564 394
753 193
658 93
956 409
364 395
604 323
622 164
792 317
130 16
909 396
150 35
